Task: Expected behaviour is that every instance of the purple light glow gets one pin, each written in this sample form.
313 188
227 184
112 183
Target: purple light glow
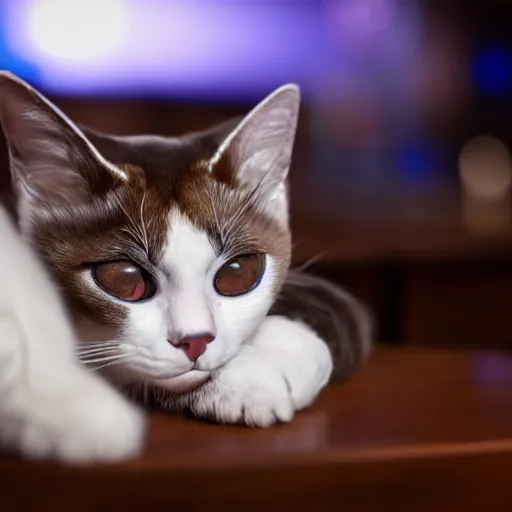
162 47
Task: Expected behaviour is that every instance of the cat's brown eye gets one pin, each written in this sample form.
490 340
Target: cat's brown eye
239 275
124 280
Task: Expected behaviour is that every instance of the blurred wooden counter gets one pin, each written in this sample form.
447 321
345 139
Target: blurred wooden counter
416 430
428 279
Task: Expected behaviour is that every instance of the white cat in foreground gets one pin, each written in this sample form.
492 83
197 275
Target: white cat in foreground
50 406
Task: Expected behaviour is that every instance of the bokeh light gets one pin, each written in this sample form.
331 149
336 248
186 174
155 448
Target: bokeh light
77 29
485 168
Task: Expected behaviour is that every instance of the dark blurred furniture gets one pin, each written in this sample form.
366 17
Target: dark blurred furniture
417 430
428 282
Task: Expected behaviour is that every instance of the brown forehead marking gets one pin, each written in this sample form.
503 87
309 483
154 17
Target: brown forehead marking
110 227
146 209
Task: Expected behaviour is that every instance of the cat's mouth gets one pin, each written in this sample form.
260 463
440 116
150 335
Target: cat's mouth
185 381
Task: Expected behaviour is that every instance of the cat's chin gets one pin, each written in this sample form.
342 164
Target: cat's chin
184 382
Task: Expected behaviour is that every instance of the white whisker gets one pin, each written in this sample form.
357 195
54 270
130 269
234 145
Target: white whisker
216 216
248 201
85 347
105 361
100 359
133 234
97 351
234 218
143 224
105 342
308 263
109 363
135 230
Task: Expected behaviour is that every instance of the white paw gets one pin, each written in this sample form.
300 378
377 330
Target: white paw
248 391
300 356
280 371
87 421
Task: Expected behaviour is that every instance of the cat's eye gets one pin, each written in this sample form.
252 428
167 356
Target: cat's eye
239 275
124 280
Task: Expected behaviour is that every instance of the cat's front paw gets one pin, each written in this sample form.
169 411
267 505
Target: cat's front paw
86 422
297 352
280 371
246 391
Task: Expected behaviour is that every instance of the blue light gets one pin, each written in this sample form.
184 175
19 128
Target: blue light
492 70
417 160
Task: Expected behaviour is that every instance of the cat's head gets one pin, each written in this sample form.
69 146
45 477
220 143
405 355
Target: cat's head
173 248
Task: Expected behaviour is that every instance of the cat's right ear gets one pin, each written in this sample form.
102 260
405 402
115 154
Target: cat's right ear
52 162
258 152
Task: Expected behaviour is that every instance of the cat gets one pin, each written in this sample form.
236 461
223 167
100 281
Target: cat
154 271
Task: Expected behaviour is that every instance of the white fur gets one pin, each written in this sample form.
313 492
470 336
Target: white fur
187 259
49 405
188 304
280 370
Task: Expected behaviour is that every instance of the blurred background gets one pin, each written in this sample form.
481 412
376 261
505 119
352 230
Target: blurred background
402 174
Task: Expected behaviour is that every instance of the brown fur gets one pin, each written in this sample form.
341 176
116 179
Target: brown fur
101 229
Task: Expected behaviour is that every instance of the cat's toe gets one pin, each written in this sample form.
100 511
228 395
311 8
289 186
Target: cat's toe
265 412
262 402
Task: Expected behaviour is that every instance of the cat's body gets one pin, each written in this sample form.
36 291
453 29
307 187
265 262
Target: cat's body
50 406
171 256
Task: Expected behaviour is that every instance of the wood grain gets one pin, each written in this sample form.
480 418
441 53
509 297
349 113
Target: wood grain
418 429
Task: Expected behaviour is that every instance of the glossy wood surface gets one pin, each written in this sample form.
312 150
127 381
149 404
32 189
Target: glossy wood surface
416 430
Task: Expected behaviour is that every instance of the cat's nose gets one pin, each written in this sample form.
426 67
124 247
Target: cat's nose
194 345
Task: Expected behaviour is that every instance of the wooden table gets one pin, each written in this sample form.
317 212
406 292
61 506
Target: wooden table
416 430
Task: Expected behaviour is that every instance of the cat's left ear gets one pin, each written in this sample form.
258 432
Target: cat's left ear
259 150
52 162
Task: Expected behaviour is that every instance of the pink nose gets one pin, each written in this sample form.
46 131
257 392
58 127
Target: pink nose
195 346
